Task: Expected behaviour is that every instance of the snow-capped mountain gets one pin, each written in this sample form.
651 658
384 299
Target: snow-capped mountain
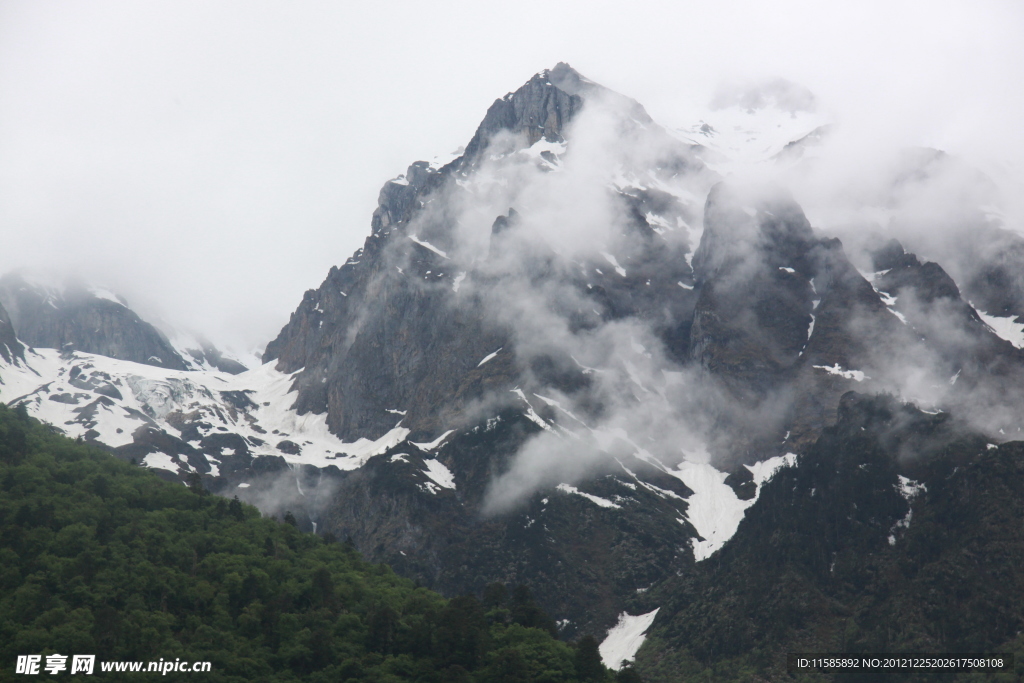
76 316
571 356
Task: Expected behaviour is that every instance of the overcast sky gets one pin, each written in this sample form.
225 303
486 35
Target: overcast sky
212 160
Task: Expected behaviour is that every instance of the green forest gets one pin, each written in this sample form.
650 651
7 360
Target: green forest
100 556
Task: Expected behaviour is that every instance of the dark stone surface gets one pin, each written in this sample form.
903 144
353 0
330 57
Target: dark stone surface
76 319
11 350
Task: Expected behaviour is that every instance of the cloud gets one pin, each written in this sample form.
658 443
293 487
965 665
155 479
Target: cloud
173 150
212 163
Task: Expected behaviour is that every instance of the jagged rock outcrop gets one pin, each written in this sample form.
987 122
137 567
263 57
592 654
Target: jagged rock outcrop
10 347
75 318
541 109
754 268
389 333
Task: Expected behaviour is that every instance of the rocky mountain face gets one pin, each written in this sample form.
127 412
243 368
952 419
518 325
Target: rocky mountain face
901 534
396 328
10 348
574 357
771 325
77 318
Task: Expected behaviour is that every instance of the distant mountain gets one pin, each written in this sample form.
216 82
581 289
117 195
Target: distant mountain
10 348
76 317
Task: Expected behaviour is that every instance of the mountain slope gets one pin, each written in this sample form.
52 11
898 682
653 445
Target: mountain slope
901 535
10 348
101 557
75 317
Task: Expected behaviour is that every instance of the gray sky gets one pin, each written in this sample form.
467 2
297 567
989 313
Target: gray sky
211 160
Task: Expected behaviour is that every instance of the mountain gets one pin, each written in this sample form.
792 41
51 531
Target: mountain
10 348
587 357
76 317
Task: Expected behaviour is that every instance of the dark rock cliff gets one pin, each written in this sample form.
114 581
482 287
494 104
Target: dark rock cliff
75 319
897 532
388 332
10 347
772 317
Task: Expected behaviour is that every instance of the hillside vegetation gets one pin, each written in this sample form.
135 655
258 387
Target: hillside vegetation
98 556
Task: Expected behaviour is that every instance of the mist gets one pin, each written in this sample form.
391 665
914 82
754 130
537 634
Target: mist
532 225
211 162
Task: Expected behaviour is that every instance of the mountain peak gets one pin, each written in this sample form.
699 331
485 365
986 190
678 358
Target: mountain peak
76 316
566 79
541 108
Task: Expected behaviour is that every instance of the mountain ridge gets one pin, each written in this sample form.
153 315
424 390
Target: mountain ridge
573 357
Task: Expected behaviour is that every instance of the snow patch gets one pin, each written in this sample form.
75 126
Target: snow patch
488 357
1006 328
150 395
431 445
625 638
457 282
428 245
713 509
565 488
856 375
441 475
160 461
615 264
530 412
103 293
909 488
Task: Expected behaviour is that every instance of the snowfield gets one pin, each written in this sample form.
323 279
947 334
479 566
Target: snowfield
107 400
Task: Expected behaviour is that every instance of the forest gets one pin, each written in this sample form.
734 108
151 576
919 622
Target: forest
99 556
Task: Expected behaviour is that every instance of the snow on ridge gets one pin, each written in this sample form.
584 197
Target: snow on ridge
431 445
1005 328
428 245
856 375
149 395
625 638
439 474
596 500
739 138
614 263
488 357
104 293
